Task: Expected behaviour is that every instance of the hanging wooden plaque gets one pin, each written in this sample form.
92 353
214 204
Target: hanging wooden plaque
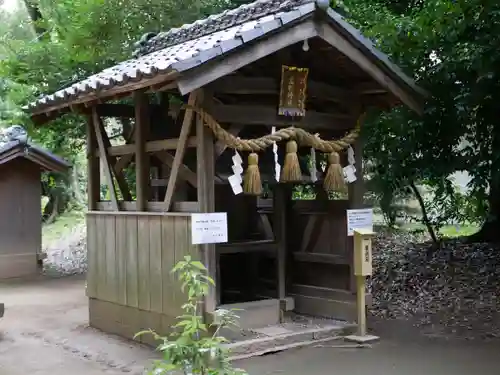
293 91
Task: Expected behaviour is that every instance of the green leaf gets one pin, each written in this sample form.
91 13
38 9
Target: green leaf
198 265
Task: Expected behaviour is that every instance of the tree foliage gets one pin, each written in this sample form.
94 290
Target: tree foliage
449 46
52 43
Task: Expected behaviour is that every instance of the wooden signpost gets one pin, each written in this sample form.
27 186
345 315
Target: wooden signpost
362 269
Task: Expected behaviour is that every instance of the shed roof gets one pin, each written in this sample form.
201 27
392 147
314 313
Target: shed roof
173 55
12 150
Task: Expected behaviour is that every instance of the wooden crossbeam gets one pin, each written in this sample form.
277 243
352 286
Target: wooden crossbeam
123 162
268 115
99 132
312 232
116 166
238 85
181 148
239 115
184 171
118 173
151 146
266 227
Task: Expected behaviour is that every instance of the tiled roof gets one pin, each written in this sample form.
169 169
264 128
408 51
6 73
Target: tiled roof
218 22
192 45
187 54
12 150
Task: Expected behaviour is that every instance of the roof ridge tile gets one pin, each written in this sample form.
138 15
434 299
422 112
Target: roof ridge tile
151 42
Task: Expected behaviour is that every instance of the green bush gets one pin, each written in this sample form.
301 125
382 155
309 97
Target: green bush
193 347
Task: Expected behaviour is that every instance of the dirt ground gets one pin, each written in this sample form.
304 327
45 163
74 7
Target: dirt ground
44 332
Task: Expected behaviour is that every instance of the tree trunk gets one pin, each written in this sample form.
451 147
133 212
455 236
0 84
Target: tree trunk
490 231
425 217
51 209
35 16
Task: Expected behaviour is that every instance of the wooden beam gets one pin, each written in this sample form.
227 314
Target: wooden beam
312 231
280 203
266 227
112 93
151 146
121 110
93 169
141 158
237 85
123 162
268 115
247 247
221 146
99 133
205 172
209 72
119 176
184 172
331 36
369 88
152 207
181 148
320 258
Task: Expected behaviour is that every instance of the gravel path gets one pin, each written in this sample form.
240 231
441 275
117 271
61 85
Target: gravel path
68 255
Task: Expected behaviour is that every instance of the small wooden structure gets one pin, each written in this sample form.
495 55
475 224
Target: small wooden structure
20 206
283 254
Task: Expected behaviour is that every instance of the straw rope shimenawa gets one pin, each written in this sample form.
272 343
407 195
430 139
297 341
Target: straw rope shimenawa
334 180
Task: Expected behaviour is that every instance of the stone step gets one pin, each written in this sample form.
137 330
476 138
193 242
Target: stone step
290 339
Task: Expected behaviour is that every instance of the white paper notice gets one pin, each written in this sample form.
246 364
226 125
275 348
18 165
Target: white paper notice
209 228
359 219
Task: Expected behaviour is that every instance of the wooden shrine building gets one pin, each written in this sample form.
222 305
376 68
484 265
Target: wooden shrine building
187 100
21 165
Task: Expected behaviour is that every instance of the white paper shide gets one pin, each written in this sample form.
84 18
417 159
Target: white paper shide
235 180
209 228
359 219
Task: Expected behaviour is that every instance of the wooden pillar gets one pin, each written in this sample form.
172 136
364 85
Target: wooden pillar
205 171
356 193
280 204
93 167
141 157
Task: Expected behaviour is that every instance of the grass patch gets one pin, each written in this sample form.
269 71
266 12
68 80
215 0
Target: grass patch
458 230
450 231
63 225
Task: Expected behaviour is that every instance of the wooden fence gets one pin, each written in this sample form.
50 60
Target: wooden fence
130 256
